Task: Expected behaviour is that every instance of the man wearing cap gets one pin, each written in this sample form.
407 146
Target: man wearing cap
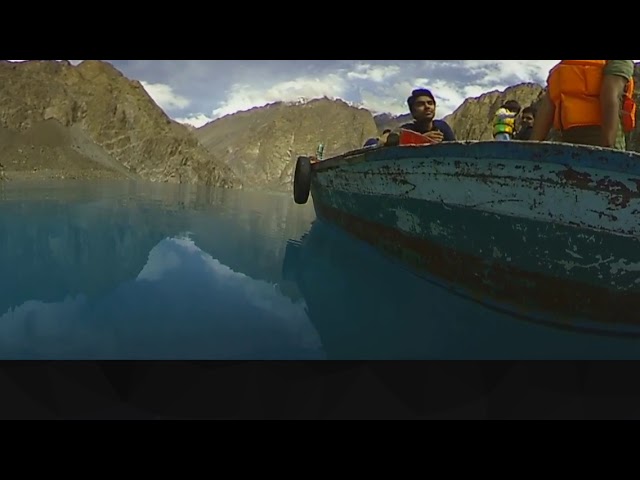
422 106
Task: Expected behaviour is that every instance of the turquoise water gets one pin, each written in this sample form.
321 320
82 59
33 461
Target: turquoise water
145 271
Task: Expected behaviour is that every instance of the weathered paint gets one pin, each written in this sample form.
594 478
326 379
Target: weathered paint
537 226
572 194
558 250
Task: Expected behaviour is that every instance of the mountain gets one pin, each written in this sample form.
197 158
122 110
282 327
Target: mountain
386 120
260 145
84 245
90 121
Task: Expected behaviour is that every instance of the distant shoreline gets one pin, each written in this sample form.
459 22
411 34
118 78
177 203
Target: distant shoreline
51 174
44 176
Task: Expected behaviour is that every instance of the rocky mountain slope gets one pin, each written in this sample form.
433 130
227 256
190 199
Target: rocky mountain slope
387 121
261 145
91 121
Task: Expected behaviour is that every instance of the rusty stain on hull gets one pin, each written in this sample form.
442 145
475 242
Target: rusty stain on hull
620 194
578 179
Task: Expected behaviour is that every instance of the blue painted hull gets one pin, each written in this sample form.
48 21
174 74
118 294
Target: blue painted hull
546 231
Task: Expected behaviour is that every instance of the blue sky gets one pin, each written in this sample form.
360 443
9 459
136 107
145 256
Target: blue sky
198 91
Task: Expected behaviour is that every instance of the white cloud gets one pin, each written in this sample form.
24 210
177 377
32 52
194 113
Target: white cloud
377 86
497 71
384 103
165 97
375 73
448 96
197 120
245 97
72 62
451 92
393 99
473 91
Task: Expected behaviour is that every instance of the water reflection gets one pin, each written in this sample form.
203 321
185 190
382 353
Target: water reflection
183 304
121 273
365 306
147 271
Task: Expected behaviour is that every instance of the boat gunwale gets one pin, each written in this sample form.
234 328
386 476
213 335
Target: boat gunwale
566 155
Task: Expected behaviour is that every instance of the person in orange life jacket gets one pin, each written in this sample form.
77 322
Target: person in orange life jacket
593 116
526 124
504 122
422 106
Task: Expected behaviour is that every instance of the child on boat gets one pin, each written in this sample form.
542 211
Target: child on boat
504 121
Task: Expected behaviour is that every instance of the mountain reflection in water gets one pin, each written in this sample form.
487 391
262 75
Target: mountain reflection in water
119 270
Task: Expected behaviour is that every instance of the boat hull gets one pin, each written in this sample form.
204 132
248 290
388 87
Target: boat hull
546 231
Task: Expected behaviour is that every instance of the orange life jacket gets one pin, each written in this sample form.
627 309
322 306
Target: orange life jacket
574 88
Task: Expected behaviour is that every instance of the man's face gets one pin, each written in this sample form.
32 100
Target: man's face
527 120
424 108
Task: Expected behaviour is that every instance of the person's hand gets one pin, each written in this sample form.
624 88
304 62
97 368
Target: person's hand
608 139
435 136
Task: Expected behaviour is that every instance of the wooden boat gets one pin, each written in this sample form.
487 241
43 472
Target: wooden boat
545 230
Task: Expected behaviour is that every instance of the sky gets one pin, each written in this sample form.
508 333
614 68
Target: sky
199 91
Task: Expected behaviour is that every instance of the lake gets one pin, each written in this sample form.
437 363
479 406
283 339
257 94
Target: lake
123 270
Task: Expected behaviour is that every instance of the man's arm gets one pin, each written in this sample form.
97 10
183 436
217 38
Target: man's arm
610 94
544 119
616 75
447 131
